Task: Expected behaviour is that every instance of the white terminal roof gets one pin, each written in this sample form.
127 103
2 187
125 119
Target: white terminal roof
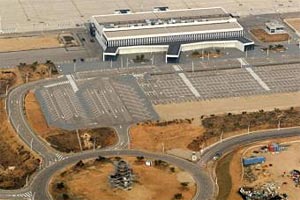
172 30
155 15
203 20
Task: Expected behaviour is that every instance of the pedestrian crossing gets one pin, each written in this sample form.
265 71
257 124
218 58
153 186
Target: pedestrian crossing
60 157
26 195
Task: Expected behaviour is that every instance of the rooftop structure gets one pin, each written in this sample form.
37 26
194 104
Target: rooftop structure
275 27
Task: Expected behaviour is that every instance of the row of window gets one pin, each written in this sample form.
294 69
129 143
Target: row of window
174 38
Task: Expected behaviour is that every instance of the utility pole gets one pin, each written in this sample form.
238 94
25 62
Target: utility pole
79 141
127 62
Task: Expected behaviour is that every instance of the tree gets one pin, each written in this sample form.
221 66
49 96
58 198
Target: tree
142 57
140 158
65 196
178 196
137 58
60 185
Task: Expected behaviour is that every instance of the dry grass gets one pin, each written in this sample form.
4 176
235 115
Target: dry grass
294 23
37 71
13 153
152 136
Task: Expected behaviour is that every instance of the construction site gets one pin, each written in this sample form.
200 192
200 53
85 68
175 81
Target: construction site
266 170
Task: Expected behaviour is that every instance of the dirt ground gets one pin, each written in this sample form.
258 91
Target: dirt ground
16 161
263 36
274 173
294 23
91 181
63 140
154 137
27 43
233 105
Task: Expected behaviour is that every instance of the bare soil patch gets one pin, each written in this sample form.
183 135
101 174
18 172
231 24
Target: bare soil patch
294 23
168 135
16 161
263 36
189 110
63 140
27 43
90 179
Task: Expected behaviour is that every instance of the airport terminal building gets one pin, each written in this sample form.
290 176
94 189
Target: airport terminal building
167 30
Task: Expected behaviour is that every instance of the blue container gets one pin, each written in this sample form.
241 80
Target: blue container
253 160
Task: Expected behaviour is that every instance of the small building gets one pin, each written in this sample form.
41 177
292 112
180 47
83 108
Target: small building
275 27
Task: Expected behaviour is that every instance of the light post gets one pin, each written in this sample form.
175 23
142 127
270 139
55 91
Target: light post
221 136
74 65
193 66
249 128
31 144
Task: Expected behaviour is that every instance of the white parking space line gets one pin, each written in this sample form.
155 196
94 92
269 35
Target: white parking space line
72 83
253 74
56 84
243 61
258 79
186 81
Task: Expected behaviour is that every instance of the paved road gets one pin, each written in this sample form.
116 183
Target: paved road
53 161
228 145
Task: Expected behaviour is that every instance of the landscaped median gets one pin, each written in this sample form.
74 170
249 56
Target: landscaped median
146 178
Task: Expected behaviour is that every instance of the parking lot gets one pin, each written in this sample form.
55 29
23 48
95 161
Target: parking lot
213 84
98 102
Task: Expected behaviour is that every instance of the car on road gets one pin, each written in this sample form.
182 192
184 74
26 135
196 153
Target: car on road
217 156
